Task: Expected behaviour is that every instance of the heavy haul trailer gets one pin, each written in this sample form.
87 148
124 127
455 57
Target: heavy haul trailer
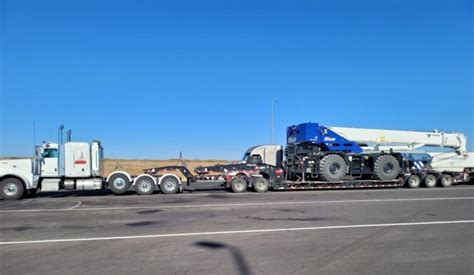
256 174
68 166
318 157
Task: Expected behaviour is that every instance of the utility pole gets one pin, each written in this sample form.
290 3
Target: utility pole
273 120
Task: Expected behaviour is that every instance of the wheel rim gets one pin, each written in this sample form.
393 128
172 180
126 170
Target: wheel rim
10 189
261 185
119 183
445 181
430 182
388 168
239 185
169 185
334 168
144 186
413 182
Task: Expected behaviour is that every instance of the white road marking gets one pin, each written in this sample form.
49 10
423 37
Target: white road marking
75 206
232 204
254 231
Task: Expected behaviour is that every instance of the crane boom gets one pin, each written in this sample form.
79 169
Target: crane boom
402 140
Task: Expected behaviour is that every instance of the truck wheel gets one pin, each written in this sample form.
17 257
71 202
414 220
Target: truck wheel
332 168
429 181
119 184
238 185
169 185
145 186
413 181
445 180
11 189
386 167
260 185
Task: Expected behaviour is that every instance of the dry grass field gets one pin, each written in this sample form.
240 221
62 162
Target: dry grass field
136 167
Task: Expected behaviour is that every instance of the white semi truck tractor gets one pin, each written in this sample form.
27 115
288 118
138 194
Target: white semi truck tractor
70 166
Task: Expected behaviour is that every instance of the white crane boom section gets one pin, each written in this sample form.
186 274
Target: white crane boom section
403 140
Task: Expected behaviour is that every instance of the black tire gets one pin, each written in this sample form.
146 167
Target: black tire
169 185
429 181
145 185
413 181
386 167
445 180
119 183
260 185
332 168
238 185
11 189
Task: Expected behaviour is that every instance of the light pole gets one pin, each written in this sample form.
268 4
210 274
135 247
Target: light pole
273 119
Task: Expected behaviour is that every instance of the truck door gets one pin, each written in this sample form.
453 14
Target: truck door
49 163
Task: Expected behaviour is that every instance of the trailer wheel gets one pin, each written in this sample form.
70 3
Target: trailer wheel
11 189
260 185
386 167
446 180
429 181
413 181
169 185
238 185
144 186
332 168
119 184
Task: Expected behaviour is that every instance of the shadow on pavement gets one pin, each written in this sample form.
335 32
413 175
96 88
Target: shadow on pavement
237 255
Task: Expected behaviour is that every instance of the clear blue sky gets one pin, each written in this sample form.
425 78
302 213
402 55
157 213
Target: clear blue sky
151 78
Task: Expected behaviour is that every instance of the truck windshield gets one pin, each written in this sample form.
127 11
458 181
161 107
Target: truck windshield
50 153
246 155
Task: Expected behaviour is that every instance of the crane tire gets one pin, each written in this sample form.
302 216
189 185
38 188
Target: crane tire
386 167
332 168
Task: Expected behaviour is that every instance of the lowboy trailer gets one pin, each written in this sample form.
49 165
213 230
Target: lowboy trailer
318 157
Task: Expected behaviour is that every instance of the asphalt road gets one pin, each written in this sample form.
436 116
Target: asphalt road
390 231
